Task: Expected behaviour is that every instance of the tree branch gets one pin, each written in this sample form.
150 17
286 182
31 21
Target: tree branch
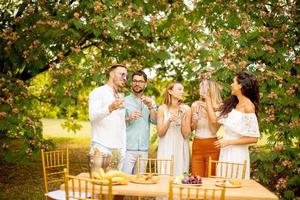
26 74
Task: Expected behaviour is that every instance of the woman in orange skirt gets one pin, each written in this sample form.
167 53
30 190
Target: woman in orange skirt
205 132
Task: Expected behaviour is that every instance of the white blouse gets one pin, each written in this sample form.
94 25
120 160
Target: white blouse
245 124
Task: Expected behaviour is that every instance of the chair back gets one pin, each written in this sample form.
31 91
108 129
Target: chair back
180 191
226 169
155 166
54 163
87 188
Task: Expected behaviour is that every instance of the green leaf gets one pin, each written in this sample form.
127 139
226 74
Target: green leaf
9 156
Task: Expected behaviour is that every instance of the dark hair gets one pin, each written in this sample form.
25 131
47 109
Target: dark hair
113 67
139 73
250 89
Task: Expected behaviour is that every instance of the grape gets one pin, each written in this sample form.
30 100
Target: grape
191 179
184 181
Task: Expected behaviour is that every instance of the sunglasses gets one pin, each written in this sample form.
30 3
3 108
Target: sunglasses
123 75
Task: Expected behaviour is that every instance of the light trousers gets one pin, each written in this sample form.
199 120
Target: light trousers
130 161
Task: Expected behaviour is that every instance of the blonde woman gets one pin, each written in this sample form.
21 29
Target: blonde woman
205 132
173 127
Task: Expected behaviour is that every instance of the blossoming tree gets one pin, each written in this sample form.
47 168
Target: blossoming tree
71 43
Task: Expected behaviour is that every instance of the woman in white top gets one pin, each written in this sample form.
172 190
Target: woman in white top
173 127
205 132
238 114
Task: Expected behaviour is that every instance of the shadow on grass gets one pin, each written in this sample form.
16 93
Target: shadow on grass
26 181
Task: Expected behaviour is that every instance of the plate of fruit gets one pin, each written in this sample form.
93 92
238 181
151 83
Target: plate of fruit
188 180
145 179
233 183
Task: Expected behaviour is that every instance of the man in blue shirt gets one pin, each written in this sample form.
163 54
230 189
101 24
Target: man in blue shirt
140 112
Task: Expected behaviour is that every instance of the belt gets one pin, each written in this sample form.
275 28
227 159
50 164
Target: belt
201 138
137 150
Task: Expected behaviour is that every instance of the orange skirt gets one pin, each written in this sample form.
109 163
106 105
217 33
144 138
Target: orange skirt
202 149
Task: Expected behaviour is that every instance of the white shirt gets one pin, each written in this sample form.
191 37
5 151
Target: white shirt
108 129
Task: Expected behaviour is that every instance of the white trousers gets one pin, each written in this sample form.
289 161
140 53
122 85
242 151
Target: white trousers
130 161
106 150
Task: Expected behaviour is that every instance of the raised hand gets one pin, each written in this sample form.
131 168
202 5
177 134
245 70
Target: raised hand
195 116
221 143
173 117
134 115
118 103
147 101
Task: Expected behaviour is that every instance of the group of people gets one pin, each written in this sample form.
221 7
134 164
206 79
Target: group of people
123 123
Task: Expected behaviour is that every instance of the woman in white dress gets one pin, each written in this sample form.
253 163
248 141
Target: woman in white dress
173 127
238 114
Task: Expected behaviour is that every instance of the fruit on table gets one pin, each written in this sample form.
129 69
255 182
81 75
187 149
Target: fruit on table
227 183
232 182
191 179
96 175
116 173
101 172
115 176
120 180
236 182
147 178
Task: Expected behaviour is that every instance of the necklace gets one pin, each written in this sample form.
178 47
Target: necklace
116 94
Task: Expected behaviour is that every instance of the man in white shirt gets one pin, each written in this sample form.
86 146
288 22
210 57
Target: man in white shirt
107 115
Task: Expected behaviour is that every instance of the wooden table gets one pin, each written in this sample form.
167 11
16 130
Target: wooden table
250 189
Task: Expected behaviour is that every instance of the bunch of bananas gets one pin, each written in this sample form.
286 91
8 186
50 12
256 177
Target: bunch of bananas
115 176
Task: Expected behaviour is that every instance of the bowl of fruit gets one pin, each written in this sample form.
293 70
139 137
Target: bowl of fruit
188 179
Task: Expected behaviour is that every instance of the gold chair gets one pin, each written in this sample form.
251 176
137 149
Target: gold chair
86 188
54 163
227 169
155 166
193 192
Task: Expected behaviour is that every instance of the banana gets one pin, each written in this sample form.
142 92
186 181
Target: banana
96 175
120 180
116 173
101 172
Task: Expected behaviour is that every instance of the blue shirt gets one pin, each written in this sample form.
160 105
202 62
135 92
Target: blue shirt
138 130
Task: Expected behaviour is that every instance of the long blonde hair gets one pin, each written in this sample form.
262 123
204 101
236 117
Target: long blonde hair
214 92
168 98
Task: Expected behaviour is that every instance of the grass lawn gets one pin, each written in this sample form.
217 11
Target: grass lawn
26 182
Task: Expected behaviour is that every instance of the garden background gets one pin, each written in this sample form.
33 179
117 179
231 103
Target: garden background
53 53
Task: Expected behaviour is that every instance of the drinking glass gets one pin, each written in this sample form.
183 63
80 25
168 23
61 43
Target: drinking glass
179 117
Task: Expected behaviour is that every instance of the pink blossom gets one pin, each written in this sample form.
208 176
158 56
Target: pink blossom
281 183
261 39
76 15
3 115
28 151
287 163
15 110
5 146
